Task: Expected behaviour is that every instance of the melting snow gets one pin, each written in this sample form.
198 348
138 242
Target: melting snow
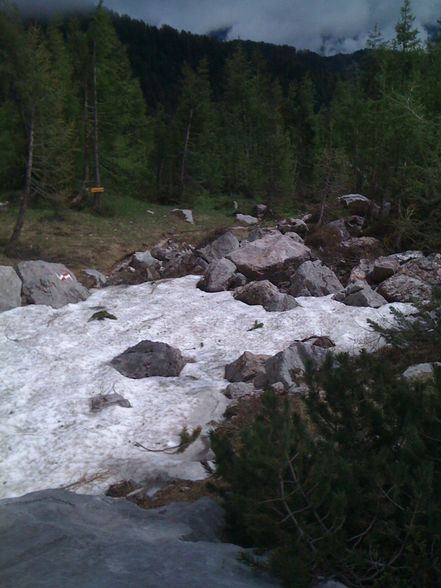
53 361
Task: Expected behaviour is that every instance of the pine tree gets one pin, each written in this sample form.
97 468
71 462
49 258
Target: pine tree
406 38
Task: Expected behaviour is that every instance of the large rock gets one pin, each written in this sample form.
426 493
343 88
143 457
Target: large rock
149 358
249 367
362 247
403 288
351 226
219 247
149 266
54 538
360 294
426 269
10 288
184 214
293 225
238 390
421 372
265 294
290 364
356 203
272 257
246 219
313 278
383 268
50 283
218 276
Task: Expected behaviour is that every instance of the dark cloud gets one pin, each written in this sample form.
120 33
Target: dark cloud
311 24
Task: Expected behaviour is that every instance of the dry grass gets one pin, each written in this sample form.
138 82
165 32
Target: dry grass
83 240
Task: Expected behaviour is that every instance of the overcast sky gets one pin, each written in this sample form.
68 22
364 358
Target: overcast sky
301 23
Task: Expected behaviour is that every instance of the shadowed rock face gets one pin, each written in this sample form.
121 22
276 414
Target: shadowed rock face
54 538
149 358
314 279
218 276
50 283
10 288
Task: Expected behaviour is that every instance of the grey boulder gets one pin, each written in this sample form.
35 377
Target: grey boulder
184 214
290 364
54 538
218 276
360 294
403 288
50 283
313 278
146 263
272 257
10 288
356 203
219 247
246 219
293 225
149 358
421 372
249 367
238 390
265 294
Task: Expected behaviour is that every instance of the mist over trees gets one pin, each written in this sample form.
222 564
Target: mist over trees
79 109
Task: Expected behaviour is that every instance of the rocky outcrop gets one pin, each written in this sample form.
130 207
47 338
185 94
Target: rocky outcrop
50 283
149 358
55 538
219 247
272 257
218 276
290 364
10 288
249 367
265 294
178 259
313 278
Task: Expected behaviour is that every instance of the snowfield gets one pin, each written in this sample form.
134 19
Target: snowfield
52 362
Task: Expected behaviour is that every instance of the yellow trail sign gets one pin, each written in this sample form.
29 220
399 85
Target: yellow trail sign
97 189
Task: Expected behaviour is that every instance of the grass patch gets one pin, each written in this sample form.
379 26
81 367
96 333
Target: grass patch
84 239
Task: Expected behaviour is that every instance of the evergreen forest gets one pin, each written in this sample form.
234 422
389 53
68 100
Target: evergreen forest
102 100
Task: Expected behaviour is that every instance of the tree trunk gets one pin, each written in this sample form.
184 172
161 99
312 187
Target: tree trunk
185 152
24 198
96 155
86 138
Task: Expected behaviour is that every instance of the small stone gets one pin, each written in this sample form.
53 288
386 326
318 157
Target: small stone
101 401
246 219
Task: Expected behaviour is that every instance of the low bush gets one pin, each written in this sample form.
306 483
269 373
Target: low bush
350 490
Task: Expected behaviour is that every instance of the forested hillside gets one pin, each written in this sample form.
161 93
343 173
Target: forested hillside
172 117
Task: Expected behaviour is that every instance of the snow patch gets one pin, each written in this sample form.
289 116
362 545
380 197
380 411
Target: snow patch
52 362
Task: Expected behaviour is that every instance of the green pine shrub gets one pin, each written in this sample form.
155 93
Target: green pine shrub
349 490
